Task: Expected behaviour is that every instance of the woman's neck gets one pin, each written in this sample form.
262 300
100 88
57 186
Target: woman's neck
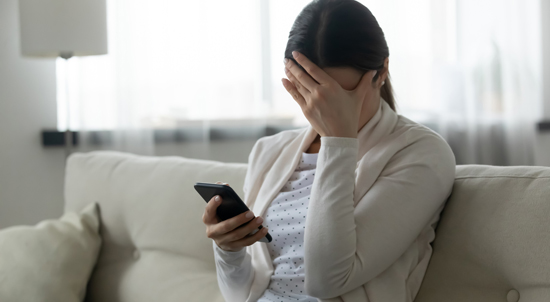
315 145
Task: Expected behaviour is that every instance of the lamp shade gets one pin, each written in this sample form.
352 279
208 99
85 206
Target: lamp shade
51 28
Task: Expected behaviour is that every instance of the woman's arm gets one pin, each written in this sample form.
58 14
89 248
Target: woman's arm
235 273
347 246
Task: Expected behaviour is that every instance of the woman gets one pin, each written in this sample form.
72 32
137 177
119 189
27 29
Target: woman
370 182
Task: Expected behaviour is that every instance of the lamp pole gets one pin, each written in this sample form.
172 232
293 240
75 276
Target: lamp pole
68 133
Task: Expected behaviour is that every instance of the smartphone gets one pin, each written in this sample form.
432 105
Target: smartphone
231 205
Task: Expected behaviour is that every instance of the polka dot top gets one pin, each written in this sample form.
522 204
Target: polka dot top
286 219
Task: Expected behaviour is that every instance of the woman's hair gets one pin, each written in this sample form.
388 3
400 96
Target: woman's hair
341 33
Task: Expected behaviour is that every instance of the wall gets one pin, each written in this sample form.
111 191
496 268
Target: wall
31 177
542 147
545 12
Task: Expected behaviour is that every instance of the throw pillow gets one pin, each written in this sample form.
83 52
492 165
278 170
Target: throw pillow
51 261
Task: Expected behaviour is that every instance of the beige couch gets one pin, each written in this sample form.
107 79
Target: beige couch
492 243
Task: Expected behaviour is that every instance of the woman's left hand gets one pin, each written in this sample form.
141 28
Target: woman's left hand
330 109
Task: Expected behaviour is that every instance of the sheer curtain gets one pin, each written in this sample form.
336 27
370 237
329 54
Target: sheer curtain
468 69
171 64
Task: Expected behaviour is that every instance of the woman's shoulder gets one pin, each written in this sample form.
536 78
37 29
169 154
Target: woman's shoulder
281 136
419 134
424 146
271 145
278 140
265 152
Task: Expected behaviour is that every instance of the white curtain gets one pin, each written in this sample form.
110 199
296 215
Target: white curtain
469 69
171 65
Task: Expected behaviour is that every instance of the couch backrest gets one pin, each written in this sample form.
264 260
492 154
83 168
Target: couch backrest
154 242
493 240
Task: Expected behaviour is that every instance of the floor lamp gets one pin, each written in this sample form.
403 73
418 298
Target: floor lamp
63 28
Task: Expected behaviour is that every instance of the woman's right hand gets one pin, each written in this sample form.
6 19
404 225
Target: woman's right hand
227 234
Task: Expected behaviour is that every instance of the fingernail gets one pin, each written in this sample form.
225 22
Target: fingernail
285 60
249 214
217 198
295 54
260 220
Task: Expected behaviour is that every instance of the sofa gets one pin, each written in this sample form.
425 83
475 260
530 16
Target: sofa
492 241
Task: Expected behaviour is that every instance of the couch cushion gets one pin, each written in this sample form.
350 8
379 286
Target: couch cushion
493 240
154 242
51 261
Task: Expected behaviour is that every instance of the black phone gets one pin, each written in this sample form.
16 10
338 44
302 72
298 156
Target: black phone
231 205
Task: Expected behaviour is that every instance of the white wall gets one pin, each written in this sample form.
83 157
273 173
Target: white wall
545 12
30 176
542 148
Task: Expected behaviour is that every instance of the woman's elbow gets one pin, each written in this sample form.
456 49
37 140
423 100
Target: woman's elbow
322 290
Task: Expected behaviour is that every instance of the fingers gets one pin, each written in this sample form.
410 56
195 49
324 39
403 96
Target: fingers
303 91
222 183
238 245
249 240
209 216
294 93
301 76
229 225
240 233
232 234
313 71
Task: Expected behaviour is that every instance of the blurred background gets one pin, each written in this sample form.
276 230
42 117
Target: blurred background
202 79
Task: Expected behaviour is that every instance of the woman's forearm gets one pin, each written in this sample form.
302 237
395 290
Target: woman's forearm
234 273
347 244
330 238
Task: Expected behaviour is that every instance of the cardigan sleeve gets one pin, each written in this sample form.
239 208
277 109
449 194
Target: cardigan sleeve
347 246
235 273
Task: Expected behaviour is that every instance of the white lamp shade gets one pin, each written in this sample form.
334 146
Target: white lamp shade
51 27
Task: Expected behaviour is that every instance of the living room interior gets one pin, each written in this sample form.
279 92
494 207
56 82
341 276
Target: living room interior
159 95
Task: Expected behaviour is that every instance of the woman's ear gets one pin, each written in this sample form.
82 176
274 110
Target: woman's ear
384 71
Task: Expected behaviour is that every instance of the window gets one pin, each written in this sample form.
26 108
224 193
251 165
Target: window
172 63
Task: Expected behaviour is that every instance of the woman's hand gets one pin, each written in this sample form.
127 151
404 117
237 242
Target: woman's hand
228 234
330 109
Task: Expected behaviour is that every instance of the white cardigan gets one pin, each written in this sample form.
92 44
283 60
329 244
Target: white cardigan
375 202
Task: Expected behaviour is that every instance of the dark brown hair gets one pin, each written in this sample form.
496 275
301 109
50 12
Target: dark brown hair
341 33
